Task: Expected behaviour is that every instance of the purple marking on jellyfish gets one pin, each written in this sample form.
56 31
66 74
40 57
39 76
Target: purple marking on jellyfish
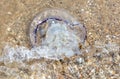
58 19
36 29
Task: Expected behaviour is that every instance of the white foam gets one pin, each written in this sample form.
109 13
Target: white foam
59 42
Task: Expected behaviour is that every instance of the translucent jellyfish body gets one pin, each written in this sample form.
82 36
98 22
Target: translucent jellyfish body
58 31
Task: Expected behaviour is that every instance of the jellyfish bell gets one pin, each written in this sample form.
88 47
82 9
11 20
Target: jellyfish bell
57 30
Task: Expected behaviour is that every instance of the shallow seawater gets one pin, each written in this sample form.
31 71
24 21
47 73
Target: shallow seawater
28 37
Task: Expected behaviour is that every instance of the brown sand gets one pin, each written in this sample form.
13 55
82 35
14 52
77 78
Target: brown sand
101 57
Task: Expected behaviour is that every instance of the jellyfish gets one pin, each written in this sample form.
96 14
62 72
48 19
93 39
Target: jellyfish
59 31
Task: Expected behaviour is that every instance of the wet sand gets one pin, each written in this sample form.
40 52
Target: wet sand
101 52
